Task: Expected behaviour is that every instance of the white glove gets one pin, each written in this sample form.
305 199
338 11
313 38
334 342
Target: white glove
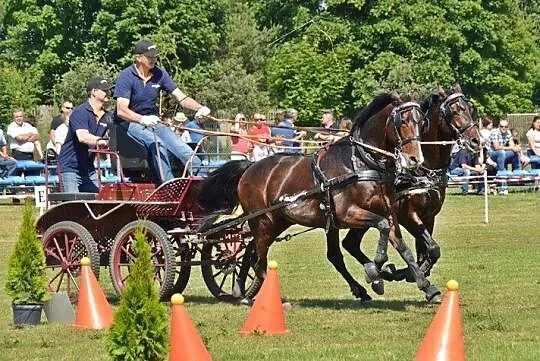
149 120
203 111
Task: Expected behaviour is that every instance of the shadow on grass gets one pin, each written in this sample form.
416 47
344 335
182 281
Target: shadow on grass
354 304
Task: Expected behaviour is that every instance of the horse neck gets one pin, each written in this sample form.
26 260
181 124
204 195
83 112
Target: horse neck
374 130
437 156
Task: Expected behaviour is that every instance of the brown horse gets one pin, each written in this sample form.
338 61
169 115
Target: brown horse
347 185
449 117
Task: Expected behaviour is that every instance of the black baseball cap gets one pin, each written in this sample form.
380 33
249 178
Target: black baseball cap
98 83
146 47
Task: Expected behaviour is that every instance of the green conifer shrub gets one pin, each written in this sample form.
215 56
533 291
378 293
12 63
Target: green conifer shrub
26 282
139 331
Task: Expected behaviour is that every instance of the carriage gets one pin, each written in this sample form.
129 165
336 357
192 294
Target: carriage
350 184
101 227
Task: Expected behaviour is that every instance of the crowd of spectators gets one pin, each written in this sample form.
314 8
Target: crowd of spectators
502 154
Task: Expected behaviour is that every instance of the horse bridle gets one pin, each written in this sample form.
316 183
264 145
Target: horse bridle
397 121
446 112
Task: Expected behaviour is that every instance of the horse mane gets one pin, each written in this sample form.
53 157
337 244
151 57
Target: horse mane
377 104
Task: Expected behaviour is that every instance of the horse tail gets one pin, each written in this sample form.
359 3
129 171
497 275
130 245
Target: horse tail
219 191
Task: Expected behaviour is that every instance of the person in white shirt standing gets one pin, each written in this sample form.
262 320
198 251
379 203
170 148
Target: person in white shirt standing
23 138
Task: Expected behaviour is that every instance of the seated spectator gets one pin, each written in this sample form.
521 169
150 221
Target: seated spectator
23 138
196 137
466 164
503 150
239 146
524 159
180 119
8 165
533 140
261 136
287 131
62 118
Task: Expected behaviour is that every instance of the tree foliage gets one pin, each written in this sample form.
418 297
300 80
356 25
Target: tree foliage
309 54
26 281
139 331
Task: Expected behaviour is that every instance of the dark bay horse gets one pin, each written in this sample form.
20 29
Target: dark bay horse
449 118
347 185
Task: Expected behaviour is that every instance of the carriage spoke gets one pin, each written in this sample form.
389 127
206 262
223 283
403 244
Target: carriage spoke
223 281
62 258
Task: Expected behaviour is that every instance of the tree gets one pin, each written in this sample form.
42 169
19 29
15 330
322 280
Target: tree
139 331
72 84
18 89
44 36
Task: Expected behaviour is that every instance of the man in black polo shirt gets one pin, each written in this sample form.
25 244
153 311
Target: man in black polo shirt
87 127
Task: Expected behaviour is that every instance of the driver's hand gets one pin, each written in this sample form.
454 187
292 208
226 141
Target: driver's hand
203 111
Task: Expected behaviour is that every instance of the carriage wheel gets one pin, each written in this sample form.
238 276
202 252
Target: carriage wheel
162 254
228 270
64 244
182 272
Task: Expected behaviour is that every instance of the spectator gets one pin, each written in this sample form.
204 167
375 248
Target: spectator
533 140
62 118
195 136
136 93
23 138
59 137
466 164
287 131
180 119
503 150
524 159
328 123
261 135
239 145
86 129
8 165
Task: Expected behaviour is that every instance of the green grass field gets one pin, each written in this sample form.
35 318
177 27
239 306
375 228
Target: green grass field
497 265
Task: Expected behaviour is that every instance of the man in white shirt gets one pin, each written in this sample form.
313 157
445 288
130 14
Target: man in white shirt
23 138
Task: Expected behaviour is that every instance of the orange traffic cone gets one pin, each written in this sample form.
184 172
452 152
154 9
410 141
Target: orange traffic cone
186 343
444 338
266 315
93 310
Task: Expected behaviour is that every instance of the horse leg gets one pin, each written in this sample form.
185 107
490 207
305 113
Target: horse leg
433 251
373 269
334 255
433 295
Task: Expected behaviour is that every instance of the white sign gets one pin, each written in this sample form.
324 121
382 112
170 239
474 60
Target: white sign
39 196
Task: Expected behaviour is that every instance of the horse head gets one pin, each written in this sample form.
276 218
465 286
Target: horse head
459 115
400 121
403 131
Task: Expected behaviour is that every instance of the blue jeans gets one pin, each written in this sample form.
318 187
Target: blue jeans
72 182
7 167
462 172
535 159
502 157
167 141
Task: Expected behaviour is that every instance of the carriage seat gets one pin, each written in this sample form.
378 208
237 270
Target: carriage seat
64 197
135 158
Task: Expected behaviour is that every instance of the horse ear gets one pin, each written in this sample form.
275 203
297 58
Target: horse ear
458 88
442 93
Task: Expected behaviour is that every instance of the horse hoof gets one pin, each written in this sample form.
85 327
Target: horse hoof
378 287
372 273
433 295
246 302
388 272
365 298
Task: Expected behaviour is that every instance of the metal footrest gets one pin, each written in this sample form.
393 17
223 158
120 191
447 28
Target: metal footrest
63 197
